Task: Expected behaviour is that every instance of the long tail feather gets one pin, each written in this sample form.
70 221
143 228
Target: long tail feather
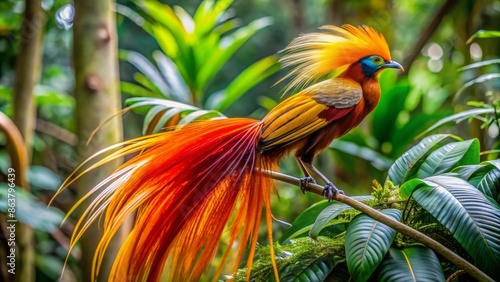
186 186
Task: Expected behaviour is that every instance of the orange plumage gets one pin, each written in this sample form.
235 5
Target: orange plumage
188 185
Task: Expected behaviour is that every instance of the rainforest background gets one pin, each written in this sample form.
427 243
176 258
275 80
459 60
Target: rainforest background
236 75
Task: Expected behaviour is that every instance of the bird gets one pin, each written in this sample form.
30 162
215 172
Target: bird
189 185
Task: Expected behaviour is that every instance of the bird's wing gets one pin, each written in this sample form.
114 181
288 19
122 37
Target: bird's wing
308 111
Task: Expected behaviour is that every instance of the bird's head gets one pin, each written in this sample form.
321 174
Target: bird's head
315 55
371 65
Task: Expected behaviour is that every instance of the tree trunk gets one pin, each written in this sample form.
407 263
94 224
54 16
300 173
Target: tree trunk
97 97
28 69
297 11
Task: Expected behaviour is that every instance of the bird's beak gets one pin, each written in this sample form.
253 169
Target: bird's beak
394 65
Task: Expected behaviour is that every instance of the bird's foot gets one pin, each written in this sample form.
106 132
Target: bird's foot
304 181
330 191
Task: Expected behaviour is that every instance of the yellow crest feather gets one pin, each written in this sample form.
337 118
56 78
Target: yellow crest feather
314 55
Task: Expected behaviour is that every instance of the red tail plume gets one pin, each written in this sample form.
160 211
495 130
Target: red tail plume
186 187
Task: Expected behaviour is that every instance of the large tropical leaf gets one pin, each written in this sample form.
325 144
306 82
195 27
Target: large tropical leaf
466 213
329 213
465 172
489 180
406 166
485 177
450 156
416 263
366 243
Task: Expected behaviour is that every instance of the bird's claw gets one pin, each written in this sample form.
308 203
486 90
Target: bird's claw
304 181
330 191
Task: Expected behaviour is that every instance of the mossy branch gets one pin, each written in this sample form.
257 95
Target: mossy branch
396 225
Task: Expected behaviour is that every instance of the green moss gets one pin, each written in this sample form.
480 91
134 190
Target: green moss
298 254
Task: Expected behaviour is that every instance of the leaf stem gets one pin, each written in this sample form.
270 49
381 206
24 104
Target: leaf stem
398 226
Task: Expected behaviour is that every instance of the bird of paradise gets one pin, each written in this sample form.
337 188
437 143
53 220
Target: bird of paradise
187 186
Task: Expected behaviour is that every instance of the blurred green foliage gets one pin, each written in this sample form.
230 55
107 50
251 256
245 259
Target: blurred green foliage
168 54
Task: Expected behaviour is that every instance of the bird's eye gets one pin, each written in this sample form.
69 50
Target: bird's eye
377 60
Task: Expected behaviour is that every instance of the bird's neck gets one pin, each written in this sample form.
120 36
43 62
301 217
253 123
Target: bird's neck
370 85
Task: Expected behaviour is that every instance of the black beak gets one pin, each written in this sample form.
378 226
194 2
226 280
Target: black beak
394 65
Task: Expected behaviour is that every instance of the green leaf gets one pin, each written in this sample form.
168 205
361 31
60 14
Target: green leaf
49 265
207 15
29 210
480 64
472 220
201 114
166 41
489 183
164 15
162 121
151 116
185 18
484 34
465 171
43 178
480 79
406 166
450 156
161 111
144 81
495 163
458 118
250 77
302 224
311 270
327 215
172 78
366 243
137 90
174 39
227 47
148 70
485 177
167 104
416 263
49 96
130 14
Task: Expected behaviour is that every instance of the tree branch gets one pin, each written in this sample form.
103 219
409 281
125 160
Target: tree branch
396 225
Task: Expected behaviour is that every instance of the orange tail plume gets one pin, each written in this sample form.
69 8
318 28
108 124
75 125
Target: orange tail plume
198 181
